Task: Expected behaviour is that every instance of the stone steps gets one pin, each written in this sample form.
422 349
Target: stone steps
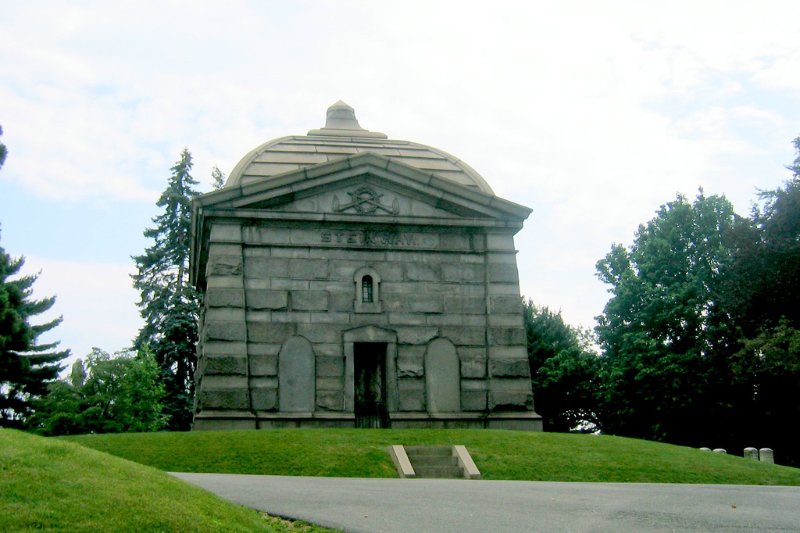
453 462
434 462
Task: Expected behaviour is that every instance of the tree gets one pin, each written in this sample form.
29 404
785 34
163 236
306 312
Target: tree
217 178
563 371
169 304
664 337
3 150
106 395
26 367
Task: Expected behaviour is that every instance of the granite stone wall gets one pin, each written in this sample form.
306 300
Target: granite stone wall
268 285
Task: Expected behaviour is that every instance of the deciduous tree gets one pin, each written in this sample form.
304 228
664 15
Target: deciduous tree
663 334
109 394
563 371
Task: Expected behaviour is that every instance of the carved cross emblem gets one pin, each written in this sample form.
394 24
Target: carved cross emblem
366 201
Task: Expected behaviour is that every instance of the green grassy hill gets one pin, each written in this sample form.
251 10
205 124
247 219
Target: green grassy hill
498 454
54 485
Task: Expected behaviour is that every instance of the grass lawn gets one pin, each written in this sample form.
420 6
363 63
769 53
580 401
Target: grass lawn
499 454
55 485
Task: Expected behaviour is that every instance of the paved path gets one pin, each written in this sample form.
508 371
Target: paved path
395 505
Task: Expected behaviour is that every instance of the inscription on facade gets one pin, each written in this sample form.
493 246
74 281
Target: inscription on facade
378 238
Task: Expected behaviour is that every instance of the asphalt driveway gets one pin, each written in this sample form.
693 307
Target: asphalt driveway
401 505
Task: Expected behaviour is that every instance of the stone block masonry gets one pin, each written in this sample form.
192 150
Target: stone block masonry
358 292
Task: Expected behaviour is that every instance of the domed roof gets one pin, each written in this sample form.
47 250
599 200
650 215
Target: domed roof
341 137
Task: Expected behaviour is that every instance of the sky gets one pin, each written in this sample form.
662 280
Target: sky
592 114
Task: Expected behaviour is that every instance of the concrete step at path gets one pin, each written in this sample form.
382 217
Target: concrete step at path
434 462
439 472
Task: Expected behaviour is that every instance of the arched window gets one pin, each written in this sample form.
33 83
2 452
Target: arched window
366 289
367 297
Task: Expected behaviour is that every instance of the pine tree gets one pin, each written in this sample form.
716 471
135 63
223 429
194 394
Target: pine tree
26 368
169 304
3 150
217 178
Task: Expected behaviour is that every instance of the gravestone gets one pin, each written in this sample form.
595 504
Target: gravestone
442 378
766 455
296 376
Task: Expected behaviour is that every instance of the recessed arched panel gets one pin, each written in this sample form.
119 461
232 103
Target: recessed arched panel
296 376
442 377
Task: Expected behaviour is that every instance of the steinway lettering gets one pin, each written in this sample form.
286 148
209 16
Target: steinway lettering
371 238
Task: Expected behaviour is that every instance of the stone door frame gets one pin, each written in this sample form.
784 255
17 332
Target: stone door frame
376 335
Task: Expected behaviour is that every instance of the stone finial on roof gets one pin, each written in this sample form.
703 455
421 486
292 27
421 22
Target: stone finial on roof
341 122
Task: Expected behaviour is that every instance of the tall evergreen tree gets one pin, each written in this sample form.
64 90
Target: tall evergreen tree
217 178
26 367
3 150
169 304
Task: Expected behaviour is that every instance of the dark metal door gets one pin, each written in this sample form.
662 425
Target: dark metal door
370 385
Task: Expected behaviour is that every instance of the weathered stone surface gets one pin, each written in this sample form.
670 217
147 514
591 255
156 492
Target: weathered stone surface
310 300
442 377
411 394
503 272
217 297
473 362
212 348
320 332
226 233
330 366
225 365
506 321
499 242
225 331
266 267
510 401
464 273
269 333
505 304
340 301
507 336
473 400
416 335
509 368
220 399
766 455
263 365
225 314
330 400
464 305
410 367
264 399
407 319
296 376
267 299
465 335
225 265
751 453
309 269
425 303
420 272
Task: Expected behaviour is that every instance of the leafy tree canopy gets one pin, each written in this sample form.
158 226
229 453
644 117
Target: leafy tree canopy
563 370
662 325
105 395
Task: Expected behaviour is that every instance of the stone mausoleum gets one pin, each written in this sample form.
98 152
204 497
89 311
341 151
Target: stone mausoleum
352 280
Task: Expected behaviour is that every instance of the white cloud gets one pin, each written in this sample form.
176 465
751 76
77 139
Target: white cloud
95 299
591 113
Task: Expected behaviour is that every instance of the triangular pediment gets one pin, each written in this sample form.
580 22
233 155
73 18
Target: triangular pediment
364 185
